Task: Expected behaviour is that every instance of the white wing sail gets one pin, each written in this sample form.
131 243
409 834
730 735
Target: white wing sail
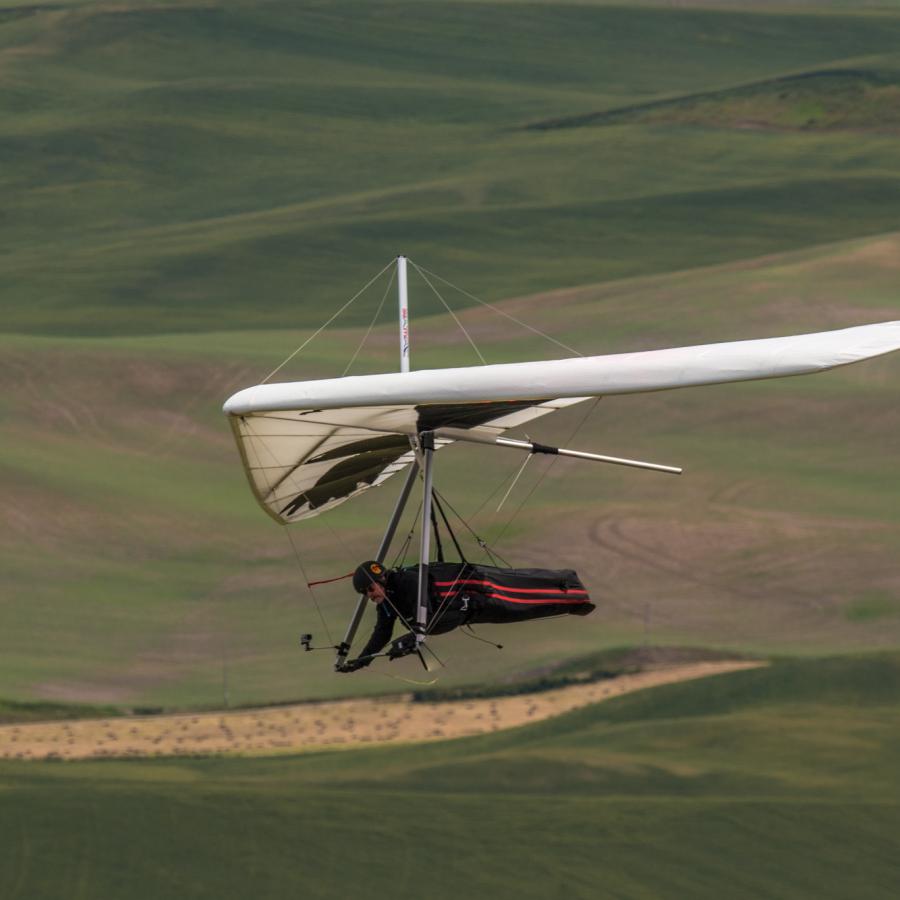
308 446
301 462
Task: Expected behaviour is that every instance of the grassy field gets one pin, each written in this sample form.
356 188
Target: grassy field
232 166
777 782
188 188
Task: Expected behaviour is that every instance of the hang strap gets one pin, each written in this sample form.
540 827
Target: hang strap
440 509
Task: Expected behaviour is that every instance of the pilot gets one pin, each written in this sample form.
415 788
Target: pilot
395 595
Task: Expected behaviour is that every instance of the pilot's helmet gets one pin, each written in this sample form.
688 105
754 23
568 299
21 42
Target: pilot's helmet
366 573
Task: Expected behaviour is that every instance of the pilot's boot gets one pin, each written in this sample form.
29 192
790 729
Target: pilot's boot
582 609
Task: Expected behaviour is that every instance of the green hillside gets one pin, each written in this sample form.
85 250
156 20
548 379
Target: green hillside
830 99
231 165
779 782
189 188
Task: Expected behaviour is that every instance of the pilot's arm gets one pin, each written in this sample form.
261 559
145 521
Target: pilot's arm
381 634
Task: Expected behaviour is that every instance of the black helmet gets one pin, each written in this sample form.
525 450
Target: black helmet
366 573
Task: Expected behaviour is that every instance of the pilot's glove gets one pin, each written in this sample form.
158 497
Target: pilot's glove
354 665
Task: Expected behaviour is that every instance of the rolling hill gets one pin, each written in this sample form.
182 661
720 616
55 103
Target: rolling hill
189 188
226 165
780 781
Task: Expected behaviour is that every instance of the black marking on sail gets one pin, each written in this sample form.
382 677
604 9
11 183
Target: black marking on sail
468 415
344 478
379 444
361 462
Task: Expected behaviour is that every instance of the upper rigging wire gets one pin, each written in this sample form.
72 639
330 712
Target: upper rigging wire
365 337
427 275
449 310
322 327
422 271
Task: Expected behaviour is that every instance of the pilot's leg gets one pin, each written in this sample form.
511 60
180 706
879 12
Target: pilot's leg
493 610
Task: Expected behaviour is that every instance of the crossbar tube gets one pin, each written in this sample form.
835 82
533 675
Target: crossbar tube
480 437
532 447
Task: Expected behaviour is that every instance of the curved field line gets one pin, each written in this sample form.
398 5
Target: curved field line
315 726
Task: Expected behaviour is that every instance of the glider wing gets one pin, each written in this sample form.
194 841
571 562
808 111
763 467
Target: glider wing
308 446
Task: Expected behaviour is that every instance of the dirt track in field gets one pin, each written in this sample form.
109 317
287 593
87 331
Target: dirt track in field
316 726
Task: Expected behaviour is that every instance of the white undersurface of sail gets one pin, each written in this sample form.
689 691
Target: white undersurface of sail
303 462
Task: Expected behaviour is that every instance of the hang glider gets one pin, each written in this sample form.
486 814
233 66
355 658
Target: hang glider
310 446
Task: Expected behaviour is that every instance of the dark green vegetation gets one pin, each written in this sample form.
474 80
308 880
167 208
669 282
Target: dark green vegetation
24 711
606 664
241 165
828 99
175 173
766 783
